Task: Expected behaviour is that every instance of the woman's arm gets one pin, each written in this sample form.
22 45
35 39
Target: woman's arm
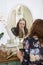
20 55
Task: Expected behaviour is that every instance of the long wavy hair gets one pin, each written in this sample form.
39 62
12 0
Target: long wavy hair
25 28
37 29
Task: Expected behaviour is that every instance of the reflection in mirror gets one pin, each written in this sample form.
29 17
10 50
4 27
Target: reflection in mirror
19 22
20 30
19 13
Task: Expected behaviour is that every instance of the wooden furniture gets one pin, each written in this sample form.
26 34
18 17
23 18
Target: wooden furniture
13 58
5 60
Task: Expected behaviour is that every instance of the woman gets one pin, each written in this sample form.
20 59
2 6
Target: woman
20 29
33 45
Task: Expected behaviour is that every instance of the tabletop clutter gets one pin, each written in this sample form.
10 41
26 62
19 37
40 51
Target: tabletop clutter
10 49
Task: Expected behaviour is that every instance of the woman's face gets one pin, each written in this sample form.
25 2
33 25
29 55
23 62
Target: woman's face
21 25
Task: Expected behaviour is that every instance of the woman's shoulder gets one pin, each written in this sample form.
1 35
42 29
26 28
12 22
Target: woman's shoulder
32 41
14 30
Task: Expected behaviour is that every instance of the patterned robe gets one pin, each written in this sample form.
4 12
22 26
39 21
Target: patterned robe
32 52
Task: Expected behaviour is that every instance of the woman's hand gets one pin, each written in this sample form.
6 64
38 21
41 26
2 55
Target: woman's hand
20 55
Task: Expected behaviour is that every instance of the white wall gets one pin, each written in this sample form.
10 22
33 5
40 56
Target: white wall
35 6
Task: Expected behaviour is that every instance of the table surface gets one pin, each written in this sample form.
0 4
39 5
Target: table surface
5 59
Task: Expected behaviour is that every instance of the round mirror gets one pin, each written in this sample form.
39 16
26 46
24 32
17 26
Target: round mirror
17 13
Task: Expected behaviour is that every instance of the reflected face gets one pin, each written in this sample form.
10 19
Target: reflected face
21 25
